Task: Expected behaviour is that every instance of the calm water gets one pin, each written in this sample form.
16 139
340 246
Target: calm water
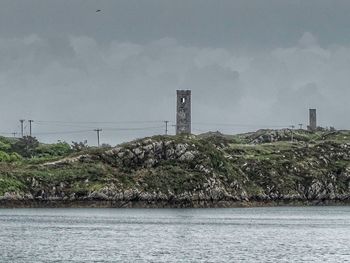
283 234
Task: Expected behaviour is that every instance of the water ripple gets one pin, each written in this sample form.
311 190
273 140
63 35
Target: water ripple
279 234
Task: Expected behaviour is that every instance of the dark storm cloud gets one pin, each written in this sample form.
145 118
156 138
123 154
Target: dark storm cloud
259 63
220 23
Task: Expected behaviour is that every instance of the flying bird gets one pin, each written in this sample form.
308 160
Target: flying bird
98 10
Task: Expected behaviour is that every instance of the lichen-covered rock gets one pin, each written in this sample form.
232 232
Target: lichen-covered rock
148 153
193 171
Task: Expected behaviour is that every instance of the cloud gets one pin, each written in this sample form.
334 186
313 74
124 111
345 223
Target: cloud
308 40
78 78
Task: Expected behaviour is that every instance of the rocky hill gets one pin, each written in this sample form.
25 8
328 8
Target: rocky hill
208 170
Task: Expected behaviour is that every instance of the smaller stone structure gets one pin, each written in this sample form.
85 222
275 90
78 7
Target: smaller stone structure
312 120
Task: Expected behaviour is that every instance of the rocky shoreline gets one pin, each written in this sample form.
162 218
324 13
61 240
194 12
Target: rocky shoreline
163 204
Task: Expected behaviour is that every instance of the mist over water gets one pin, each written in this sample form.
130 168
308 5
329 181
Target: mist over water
279 234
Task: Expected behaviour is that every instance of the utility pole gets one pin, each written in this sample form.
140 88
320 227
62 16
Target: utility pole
22 130
300 126
292 126
166 127
14 134
174 125
98 136
30 127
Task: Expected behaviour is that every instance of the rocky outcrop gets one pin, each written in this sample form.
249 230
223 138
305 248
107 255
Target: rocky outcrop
189 171
270 136
148 153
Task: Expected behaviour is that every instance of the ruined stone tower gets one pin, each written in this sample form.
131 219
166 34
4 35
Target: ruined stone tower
312 120
183 112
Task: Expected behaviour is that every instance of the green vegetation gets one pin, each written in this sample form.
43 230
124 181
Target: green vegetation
13 149
260 166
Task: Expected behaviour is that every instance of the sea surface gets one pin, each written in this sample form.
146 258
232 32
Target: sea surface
275 234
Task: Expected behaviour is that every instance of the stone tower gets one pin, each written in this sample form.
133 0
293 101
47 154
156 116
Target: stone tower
183 112
312 120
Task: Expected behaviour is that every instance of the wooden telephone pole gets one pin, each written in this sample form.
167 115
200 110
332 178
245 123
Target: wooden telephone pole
98 136
22 128
30 127
292 135
166 127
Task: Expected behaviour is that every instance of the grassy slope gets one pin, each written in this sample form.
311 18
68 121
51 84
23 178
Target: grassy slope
274 169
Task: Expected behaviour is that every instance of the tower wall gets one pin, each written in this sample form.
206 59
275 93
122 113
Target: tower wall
183 112
312 119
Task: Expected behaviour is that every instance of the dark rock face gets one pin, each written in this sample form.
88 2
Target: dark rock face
194 171
148 153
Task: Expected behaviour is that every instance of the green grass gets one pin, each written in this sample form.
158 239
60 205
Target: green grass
277 167
9 183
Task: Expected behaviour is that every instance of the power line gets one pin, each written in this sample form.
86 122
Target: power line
133 129
101 122
90 127
7 133
106 129
238 124
63 132
64 125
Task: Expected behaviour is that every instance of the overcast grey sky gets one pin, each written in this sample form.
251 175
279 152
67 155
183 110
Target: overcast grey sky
253 64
